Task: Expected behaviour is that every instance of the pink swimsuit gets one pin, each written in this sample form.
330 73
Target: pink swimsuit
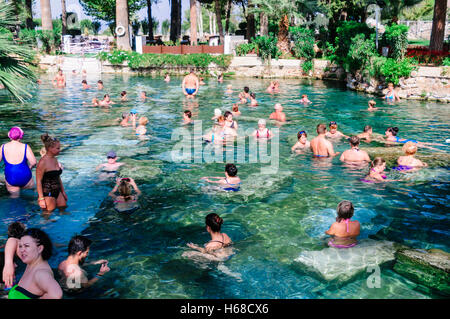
331 244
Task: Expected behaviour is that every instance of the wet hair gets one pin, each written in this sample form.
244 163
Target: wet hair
84 82
231 170
214 222
377 161
246 89
300 133
354 140
253 95
41 239
100 81
367 128
125 189
235 108
345 210
372 103
125 114
221 119
390 83
48 141
393 130
143 120
106 95
15 230
410 148
321 128
188 113
78 243
145 93
304 95
227 113
123 93
191 70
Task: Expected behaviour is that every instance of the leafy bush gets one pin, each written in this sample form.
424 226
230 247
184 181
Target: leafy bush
27 36
148 60
345 33
396 37
307 66
267 47
245 48
393 70
303 42
446 61
51 40
360 52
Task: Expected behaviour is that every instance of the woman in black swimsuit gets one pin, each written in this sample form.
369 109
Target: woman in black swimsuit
48 181
218 240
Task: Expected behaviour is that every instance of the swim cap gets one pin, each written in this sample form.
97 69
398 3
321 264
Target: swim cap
133 111
262 122
15 133
217 112
111 154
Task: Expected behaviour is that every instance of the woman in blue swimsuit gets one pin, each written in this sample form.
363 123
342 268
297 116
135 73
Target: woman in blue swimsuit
391 136
19 160
391 95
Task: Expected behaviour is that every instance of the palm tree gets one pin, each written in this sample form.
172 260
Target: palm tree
218 10
193 18
46 15
150 20
29 10
438 28
174 25
165 26
15 59
122 19
63 17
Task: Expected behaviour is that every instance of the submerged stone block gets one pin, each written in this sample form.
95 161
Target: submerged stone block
430 268
334 264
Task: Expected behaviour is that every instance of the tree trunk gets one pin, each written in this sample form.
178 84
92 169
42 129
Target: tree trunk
264 24
283 33
150 20
251 30
218 9
173 20
29 9
200 20
46 15
122 19
438 28
63 17
227 21
193 18
179 21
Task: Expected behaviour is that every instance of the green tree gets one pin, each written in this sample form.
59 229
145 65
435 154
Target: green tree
86 24
281 11
165 26
15 59
96 25
105 10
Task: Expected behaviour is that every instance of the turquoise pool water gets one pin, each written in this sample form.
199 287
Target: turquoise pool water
272 220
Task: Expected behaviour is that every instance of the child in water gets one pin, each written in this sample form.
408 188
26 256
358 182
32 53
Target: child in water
372 107
302 142
231 182
344 231
229 89
111 166
376 172
123 95
305 99
235 110
253 101
187 117
333 132
141 129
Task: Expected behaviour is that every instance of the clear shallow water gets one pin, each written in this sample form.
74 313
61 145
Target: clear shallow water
271 220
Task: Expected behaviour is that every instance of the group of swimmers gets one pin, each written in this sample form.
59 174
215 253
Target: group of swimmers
34 247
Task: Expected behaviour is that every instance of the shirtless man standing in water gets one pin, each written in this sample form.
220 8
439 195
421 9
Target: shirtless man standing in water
320 146
59 80
190 84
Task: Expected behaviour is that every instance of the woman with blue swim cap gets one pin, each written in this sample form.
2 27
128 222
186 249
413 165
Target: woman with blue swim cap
19 160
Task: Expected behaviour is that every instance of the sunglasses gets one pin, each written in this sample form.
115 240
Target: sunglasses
301 132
